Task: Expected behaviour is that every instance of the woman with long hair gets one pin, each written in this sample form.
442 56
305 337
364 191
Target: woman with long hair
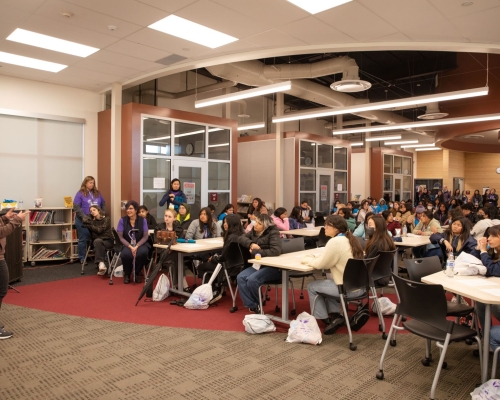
232 230
345 213
174 196
441 214
203 227
339 249
170 224
99 226
379 241
456 238
363 209
263 239
280 219
457 195
296 220
228 209
477 200
87 196
362 230
254 206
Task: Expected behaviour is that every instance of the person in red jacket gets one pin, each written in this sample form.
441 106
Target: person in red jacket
392 224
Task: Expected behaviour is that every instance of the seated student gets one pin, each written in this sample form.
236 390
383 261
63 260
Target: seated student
394 209
263 239
425 196
457 238
374 208
184 218
228 209
426 226
406 212
351 205
255 205
251 224
392 225
490 257
454 203
143 212
413 220
362 230
232 229
429 206
441 214
264 210
171 224
339 249
99 226
484 222
296 220
204 227
467 209
346 214
336 207
382 205
280 219
363 209
212 210
379 241
307 213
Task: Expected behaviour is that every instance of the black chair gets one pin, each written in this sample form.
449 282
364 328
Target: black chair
362 241
355 278
380 269
322 238
319 219
117 249
425 306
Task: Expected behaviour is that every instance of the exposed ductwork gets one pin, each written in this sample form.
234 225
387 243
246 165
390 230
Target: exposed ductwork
178 95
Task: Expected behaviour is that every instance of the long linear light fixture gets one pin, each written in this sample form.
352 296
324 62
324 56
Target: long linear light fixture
413 146
218 145
429 148
398 142
423 124
379 138
244 94
381 105
252 126
356 144
29 62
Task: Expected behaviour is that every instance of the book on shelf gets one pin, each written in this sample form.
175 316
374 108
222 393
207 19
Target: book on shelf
242 209
245 198
43 253
41 217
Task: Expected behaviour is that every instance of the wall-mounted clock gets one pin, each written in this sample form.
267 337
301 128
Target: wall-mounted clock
498 170
189 149
308 161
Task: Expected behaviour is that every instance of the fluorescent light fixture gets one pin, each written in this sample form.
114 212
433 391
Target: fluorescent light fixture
429 149
189 30
356 144
244 94
316 6
413 146
30 62
158 138
381 105
218 145
422 124
252 126
51 43
400 142
379 138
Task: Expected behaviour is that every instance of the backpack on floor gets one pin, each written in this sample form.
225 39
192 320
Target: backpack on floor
202 295
162 288
304 329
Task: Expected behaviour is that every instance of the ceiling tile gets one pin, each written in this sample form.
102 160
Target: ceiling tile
106 68
88 74
480 27
170 6
220 18
29 6
235 47
277 12
81 83
137 50
88 19
12 15
63 30
274 38
23 72
314 31
396 37
128 10
121 59
454 8
356 21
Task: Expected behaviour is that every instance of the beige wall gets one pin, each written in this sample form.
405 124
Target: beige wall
429 165
455 163
481 171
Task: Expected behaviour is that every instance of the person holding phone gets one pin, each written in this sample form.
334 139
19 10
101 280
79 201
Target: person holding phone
8 222
175 196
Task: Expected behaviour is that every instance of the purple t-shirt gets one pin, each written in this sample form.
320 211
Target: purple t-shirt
125 242
86 201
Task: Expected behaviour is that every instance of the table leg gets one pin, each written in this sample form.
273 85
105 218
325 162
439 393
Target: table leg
284 294
180 276
395 262
486 344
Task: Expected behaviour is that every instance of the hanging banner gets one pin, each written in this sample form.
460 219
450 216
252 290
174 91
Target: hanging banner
323 191
189 189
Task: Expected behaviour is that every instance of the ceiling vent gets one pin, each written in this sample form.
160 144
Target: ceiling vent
350 82
473 137
432 112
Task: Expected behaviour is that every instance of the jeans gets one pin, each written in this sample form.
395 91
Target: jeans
141 258
83 236
326 305
495 338
100 247
249 281
422 252
480 310
4 280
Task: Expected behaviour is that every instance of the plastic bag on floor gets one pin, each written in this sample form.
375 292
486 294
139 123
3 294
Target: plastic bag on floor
487 391
304 329
258 323
162 288
386 305
202 295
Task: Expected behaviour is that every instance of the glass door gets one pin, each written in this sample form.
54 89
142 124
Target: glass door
325 192
193 177
398 187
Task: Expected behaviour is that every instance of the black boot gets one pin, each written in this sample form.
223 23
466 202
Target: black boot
126 279
138 279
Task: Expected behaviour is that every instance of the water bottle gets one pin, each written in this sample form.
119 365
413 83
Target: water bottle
450 265
20 205
405 231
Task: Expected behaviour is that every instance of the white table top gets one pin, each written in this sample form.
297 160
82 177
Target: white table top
413 241
304 231
199 246
472 287
290 261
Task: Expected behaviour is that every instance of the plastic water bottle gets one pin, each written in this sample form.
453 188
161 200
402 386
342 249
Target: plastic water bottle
450 265
405 231
20 205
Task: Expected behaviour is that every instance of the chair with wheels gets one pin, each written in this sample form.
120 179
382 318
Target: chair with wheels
425 307
381 269
355 278
233 263
90 247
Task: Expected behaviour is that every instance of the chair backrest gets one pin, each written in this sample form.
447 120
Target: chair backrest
425 303
356 274
419 267
292 245
361 241
322 238
319 220
117 247
233 257
383 267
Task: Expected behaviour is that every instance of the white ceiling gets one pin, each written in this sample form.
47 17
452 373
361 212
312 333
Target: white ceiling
264 28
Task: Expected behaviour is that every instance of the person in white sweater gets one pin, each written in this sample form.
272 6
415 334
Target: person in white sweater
484 222
337 251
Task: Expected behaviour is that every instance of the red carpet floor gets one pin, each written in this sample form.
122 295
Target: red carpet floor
93 297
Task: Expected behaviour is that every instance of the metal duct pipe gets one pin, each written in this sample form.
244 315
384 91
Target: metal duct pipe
332 66
178 95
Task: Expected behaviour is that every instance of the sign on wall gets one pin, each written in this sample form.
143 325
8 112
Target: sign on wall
189 189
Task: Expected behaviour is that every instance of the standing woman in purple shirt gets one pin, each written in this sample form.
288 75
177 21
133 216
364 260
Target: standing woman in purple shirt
133 232
87 196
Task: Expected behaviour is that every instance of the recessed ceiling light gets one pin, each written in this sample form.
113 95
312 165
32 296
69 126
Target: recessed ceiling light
188 30
51 43
316 6
30 62
473 136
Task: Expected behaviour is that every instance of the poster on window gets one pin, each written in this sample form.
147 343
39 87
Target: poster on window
323 191
188 189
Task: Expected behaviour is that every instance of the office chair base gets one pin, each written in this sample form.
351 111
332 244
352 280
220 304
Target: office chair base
384 336
380 375
393 342
293 312
277 309
352 347
233 309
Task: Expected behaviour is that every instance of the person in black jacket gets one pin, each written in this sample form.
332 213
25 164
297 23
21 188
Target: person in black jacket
99 226
442 214
144 213
457 238
263 239
379 241
170 224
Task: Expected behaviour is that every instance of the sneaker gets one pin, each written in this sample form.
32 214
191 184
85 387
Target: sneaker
102 268
217 296
255 310
336 324
5 334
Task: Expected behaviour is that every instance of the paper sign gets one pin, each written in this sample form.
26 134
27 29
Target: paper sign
339 187
189 189
324 190
158 183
